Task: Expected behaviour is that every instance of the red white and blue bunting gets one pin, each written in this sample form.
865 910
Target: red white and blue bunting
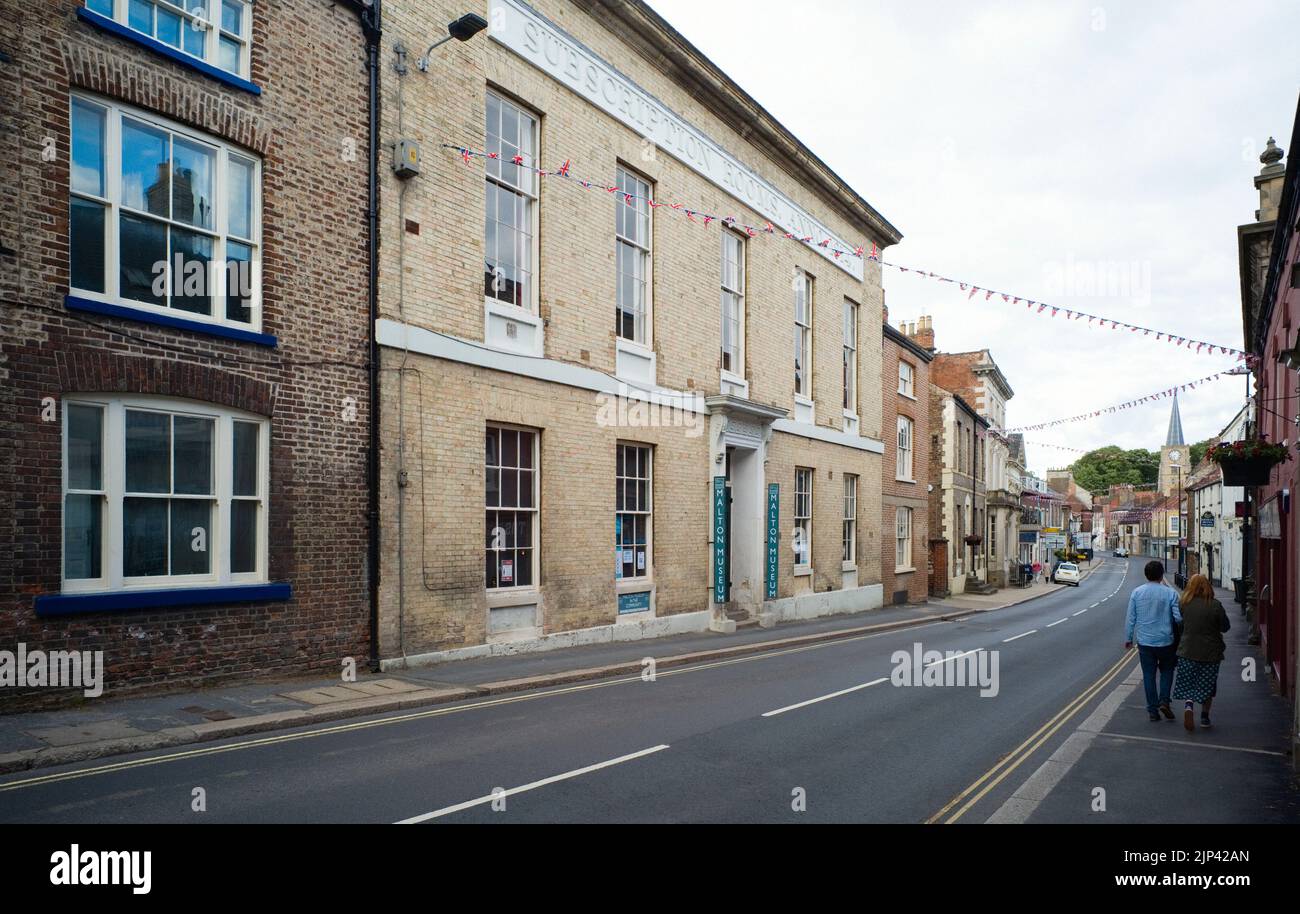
1130 404
706 219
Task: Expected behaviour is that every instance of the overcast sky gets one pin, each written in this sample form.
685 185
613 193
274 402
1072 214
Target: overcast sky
1008 141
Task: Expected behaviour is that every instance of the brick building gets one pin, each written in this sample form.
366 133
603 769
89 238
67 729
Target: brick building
1270 285
590 416
183 369
905 376
958 507
976 379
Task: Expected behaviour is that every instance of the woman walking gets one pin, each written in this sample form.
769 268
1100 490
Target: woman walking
1201 649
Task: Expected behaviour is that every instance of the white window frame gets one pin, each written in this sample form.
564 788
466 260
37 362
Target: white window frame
850 357
112 201
803 516
645 452
903 539
904 467
906 379
804 292
193 15
641 190
535 511
530 194
734 296
850 537
113 492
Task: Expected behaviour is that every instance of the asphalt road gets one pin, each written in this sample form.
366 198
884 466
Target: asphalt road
742 740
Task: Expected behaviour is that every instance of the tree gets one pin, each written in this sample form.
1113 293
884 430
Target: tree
1102 468
1197 451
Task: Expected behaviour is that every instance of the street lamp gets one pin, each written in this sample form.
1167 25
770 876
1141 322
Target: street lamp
462 29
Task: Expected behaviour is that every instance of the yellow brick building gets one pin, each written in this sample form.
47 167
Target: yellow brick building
568 372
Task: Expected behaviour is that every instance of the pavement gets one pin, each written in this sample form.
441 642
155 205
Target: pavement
109 726
828 728
1145 770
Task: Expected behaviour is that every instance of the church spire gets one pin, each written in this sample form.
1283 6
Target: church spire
1175 435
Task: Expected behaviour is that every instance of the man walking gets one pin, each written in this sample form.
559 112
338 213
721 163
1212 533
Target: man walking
1152 614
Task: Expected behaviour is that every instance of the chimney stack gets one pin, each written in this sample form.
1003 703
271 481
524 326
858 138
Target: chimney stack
921 332
1269 182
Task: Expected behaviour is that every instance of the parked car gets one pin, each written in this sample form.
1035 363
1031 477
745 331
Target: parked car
1067 573
1121 552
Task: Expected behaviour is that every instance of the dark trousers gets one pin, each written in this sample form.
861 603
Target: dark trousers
1162 660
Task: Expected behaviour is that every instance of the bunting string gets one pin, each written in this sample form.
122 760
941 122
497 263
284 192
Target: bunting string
1130 404
699 217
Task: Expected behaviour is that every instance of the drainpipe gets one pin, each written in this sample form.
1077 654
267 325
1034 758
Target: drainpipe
369 13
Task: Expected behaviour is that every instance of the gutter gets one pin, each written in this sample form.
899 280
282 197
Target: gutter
369 13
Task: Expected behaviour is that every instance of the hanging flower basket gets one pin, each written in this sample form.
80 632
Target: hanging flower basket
1247 463
974 539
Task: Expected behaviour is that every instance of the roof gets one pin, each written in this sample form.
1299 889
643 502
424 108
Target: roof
907 342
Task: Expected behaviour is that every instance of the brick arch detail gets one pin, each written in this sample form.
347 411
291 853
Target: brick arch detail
96 371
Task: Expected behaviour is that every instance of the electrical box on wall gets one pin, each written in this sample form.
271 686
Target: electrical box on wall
406 158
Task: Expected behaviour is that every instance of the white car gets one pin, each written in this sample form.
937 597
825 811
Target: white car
1067 573
1121 553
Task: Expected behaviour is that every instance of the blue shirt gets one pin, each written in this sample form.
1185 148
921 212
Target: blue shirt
1152 610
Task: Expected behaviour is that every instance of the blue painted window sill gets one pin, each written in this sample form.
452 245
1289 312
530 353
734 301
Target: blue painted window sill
76 303
130 34
66 604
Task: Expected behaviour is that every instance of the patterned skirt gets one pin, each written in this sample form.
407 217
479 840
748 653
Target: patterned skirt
1195 680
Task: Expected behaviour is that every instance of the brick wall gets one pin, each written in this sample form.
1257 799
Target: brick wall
434 280
308 58
907 586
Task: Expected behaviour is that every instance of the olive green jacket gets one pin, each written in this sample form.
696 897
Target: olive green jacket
1204 622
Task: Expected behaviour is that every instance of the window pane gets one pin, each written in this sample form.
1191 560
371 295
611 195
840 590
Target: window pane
144 537
148 451
525 489
509 448
145 168
239 196
143 260
141 16
510 488
192 172
82 536
87 148
86 245
239 282
493 498
169 28
193 37
228 54
232 14
192 456
245 459
191 535
243 536
191 264
85 447
103 7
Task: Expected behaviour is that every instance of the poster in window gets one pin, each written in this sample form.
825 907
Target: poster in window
507 571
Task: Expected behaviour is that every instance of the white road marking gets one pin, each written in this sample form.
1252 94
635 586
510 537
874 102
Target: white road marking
1058 622
953 657
1008 640
1095 605
448 810
1081 612
813 701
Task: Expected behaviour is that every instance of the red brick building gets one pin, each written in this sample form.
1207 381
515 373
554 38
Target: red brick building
1270 278
905 409
184 372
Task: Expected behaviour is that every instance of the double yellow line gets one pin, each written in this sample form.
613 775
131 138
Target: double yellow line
995 775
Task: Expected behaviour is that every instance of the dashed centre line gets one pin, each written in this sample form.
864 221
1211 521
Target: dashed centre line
1058 621
1017 637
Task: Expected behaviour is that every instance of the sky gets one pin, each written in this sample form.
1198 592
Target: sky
1022 146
